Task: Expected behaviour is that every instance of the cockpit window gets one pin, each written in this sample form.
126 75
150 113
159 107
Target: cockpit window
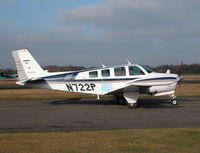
93 74
120 71
134 70
148 69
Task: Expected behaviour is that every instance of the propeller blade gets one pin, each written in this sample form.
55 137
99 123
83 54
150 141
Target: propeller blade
180 78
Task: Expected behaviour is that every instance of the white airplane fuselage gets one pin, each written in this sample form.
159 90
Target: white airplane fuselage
124 81
81 82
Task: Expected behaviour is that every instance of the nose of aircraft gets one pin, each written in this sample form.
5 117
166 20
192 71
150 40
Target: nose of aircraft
180 77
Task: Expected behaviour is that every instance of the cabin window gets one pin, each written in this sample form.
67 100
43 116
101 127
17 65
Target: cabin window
134 70
120 71
93 74
105 73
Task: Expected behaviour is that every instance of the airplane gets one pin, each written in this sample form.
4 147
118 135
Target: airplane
7 76
125 82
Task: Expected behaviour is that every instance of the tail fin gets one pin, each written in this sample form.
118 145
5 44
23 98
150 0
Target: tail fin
27 66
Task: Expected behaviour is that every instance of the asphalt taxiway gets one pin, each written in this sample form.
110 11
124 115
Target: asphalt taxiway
79 114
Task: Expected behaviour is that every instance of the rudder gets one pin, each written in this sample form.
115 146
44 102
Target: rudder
27 66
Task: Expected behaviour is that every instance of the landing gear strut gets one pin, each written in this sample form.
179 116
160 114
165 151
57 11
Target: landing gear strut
129 98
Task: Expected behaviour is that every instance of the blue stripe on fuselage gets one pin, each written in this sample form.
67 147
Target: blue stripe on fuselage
62 76
105 80
160 78
90 80
123 79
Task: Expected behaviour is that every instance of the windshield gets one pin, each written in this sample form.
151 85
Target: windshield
148 69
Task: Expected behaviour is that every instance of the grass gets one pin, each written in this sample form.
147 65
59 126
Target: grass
176 140
191 77
188 90
23 94
8 81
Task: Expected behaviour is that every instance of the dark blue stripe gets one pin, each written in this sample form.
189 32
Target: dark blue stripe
123 79
90 80
64 75
116 79
162 78
74 74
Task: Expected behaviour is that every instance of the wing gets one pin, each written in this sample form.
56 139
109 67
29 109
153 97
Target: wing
134 85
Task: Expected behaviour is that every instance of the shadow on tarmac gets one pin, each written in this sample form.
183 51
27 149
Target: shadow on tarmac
143 103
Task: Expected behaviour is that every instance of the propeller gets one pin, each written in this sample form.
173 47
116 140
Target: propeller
180 71
180 91
180 79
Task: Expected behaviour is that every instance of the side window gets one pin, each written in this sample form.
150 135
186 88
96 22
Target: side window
120 71
93 74
105 73
134 70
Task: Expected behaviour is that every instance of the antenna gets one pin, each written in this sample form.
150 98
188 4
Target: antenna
102 64
129 63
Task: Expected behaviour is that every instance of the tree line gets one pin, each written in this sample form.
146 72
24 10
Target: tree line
178 69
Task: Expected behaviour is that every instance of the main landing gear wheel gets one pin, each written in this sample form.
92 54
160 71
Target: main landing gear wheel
174 102
132 105
121 101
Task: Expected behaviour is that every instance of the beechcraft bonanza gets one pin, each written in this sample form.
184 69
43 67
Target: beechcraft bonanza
125 82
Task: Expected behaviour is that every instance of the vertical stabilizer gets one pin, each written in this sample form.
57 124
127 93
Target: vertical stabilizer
27 66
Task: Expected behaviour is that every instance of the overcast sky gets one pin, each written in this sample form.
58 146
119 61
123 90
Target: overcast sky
82 32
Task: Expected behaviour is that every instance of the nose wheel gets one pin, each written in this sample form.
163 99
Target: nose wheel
173 100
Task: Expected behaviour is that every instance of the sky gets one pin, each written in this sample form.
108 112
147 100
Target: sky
84 32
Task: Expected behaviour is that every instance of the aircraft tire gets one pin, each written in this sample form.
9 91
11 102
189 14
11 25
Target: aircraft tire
121 101
132 105
174 102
